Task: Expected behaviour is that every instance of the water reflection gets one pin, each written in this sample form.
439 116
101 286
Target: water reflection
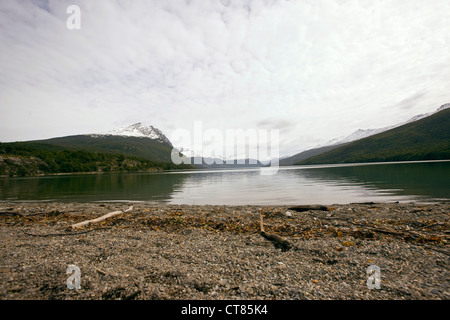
424 179
133 186
292 185
297 186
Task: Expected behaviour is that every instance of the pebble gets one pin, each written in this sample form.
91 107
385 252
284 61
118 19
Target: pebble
195 261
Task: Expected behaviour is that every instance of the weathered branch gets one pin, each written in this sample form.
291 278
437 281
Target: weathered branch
307 208
275 239
106 216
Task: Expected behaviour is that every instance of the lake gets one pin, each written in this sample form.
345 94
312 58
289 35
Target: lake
321 184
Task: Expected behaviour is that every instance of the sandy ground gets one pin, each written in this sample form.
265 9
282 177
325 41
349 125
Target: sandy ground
173 252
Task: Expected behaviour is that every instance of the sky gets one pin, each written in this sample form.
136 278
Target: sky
312 69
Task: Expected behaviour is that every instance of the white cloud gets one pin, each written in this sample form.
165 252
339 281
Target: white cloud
328 66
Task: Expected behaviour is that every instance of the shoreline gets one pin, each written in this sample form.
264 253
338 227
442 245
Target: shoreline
286 167
210 252
79 173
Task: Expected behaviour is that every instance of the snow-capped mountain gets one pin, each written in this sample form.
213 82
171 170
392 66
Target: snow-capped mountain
139 130
360 133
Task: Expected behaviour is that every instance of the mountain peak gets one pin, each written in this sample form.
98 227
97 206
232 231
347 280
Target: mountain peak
138 129
443 107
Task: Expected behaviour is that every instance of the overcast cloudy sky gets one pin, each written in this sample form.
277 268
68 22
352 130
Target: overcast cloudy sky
316 69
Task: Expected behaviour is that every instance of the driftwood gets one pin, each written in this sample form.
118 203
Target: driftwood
106 216
278 241
411 234
307 208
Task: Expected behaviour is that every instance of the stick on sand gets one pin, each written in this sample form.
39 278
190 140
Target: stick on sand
106 216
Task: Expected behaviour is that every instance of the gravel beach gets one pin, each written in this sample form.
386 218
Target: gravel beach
173 252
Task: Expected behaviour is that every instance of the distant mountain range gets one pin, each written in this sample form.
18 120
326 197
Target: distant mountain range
207 162
297 158
141 147
364 133
425 137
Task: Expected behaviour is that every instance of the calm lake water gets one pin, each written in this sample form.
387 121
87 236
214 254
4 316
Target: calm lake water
418 181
